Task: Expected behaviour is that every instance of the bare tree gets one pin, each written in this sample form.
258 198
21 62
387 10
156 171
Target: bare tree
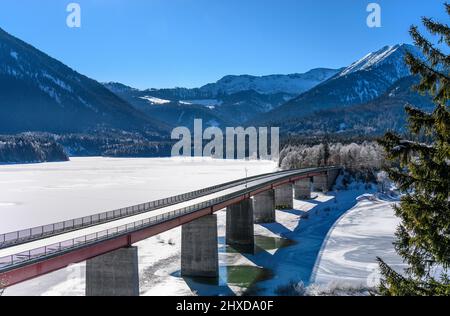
383 181
365 156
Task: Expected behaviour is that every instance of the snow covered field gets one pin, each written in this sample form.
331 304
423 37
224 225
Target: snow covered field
333 239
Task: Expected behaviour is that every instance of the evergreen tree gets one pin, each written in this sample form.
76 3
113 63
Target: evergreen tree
422 172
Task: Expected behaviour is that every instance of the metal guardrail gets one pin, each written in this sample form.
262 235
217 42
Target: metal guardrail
26 235
82 241
37 254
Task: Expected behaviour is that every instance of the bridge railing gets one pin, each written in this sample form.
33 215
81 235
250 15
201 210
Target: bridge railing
25 235
68 245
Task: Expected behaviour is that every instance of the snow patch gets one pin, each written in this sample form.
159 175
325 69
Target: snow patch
57 81
209 103
51 92
154 100
14 55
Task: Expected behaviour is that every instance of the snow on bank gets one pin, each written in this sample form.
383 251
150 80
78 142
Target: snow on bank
348 257
311 232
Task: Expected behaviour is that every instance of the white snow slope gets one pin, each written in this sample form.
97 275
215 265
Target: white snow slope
393 55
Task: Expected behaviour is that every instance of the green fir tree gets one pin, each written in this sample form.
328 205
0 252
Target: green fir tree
422 171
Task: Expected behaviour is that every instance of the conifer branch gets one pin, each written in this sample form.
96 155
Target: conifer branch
435 56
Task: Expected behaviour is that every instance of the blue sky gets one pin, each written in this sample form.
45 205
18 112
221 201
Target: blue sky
167 43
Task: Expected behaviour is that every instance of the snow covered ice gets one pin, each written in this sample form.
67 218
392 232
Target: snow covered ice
38 194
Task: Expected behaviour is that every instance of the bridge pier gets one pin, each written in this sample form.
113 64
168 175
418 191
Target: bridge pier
264 207
284 198
239 226
325 181
199 249
332 176
302 189
321 183
113 274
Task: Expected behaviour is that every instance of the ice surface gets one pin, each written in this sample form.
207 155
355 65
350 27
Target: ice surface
39 194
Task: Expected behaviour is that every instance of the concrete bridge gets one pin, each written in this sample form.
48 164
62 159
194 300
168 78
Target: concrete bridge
106 240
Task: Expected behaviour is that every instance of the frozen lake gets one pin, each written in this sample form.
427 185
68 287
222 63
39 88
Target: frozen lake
38 194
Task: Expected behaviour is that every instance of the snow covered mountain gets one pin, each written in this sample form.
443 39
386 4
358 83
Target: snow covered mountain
373 118
185 104
39 93
170 111
392 56
291 84
361 82
233 99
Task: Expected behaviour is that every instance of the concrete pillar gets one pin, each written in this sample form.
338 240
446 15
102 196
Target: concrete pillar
239 226
284 198
199 249
332 176
321 183
264 207
325 181
113 274
302 189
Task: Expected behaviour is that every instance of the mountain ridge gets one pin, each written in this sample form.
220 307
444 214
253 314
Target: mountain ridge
387 112
361 82
57 98
316 75
233 99
294 83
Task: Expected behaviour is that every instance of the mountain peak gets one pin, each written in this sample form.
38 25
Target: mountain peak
390 54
